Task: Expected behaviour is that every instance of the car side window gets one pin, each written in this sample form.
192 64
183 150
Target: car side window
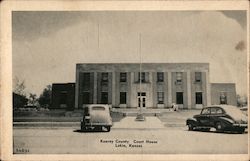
205 111
219 111
213 110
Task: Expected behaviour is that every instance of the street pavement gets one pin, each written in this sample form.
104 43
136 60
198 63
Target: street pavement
167 140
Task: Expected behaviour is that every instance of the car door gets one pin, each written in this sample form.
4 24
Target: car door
203 118
216 114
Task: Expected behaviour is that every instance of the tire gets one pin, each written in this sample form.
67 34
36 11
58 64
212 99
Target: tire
190 127
108 128
219 127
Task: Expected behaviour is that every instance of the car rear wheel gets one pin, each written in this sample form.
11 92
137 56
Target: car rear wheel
219 127
190 127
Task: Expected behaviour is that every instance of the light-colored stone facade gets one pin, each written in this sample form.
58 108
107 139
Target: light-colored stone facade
223 93
187 81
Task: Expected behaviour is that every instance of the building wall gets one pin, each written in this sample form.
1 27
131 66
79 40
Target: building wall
169 86
63 96
229 89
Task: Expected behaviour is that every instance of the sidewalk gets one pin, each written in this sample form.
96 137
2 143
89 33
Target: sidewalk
130 123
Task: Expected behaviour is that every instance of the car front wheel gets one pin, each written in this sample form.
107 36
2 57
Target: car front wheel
190 127
219 127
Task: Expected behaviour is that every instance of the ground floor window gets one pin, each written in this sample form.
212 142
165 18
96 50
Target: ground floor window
160 97
63 97
86 98
104 98
123 98
223 98
179 97
198 97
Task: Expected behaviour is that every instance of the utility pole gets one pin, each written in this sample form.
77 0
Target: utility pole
140 116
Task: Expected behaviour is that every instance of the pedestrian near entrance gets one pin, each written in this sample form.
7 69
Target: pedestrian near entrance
175 107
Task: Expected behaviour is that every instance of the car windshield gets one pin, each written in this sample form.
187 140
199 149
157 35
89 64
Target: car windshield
98 108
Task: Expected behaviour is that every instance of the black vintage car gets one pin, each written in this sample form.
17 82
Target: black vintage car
220 117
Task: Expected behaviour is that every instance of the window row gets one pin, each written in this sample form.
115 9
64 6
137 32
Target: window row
141 77
87 98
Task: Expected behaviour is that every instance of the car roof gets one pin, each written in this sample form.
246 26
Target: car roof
224 107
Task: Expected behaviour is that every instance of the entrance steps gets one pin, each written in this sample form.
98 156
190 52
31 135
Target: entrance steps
129 122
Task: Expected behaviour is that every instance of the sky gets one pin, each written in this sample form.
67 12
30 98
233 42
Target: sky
48 44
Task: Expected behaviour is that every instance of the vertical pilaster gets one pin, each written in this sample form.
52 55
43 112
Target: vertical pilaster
169 88
95 88
208 89
77 88
113 88
189 103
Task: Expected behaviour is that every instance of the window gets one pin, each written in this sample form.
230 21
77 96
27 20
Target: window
123 77
123 98
141 94
104 81
213 110
142 77
104 98
205 111
179 77
160 77
86 98
63 97
86 81
160 97
179 97
223 98
98 108
197 76
198 97
104 77
219 111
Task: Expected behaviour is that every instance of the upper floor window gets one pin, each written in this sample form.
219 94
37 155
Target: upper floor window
178 77
86 81
142 77
160 77
123 77
104 77
197 76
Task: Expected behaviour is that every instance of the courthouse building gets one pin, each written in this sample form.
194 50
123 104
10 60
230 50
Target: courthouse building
150 85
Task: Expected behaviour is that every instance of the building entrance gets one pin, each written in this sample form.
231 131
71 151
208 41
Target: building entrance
141 97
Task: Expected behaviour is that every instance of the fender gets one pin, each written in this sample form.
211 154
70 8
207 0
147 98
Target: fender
227 120
191 121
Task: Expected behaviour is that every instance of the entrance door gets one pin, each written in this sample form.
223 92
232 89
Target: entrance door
141 97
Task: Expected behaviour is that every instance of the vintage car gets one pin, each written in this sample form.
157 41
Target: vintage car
96 117
220 117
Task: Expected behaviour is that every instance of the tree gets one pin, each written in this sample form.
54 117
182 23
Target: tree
33 99
19 96
45 98
241 100
19 86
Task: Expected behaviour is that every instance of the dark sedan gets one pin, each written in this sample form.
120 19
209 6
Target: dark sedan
220 117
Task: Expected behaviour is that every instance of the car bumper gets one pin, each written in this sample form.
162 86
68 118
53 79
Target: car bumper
97 124
240 125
